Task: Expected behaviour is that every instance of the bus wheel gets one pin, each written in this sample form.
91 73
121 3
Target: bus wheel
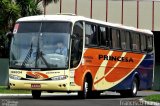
134 88
87 87
133 91
36 94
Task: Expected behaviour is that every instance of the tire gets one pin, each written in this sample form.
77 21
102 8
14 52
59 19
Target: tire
133 91
36 94
95 94
87 89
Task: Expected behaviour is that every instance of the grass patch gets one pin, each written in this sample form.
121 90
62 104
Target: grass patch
154 98
5 90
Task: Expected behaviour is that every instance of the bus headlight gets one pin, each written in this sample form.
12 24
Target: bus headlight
14 77
61 77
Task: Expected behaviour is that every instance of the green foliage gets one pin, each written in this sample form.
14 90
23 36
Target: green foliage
8 14
28 7
5 90
11 10
46 2
154 98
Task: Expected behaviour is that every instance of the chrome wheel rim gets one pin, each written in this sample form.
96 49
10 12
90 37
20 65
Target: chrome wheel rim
85 88
134 88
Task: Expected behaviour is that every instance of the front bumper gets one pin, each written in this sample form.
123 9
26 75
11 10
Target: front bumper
59 85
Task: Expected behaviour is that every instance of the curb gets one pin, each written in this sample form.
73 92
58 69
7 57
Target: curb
144 102
14 95
43 94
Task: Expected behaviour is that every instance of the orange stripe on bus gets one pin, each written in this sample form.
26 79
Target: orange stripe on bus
112 63
124 68
91 63
35 74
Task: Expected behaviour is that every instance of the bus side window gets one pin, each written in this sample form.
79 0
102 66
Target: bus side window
115 39
125 40
87 34
135 42
103 34
128 40
91 38
77 44
149 43
143 43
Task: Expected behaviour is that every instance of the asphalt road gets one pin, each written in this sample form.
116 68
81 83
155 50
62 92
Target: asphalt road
106 99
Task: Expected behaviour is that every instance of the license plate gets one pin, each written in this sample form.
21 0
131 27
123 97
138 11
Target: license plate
35 86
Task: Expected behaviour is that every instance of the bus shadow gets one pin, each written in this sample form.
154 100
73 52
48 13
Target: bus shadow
68 97
75 97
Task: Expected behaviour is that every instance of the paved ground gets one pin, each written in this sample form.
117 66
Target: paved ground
107 99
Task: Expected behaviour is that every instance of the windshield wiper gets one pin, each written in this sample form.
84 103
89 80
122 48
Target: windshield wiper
39 54
27 57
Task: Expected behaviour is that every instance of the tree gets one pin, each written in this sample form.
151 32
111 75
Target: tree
11 10
45 3
28 7
31 7
8 15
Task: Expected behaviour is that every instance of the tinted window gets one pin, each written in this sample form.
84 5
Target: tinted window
31 27
57 27
125 40
150 43
143 43
28 27
77 44
115 38
135 42
91 34
103 36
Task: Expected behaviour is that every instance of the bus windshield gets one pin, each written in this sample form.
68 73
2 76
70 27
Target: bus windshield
39 45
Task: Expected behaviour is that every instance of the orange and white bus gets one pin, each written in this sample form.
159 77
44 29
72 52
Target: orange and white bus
68 53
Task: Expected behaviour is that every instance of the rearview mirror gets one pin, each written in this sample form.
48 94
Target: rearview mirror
9 35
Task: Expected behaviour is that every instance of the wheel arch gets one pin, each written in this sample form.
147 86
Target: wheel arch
89 77
137 76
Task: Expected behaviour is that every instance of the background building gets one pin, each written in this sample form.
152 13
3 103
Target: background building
119 11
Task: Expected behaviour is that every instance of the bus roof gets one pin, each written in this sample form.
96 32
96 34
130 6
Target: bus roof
74 18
